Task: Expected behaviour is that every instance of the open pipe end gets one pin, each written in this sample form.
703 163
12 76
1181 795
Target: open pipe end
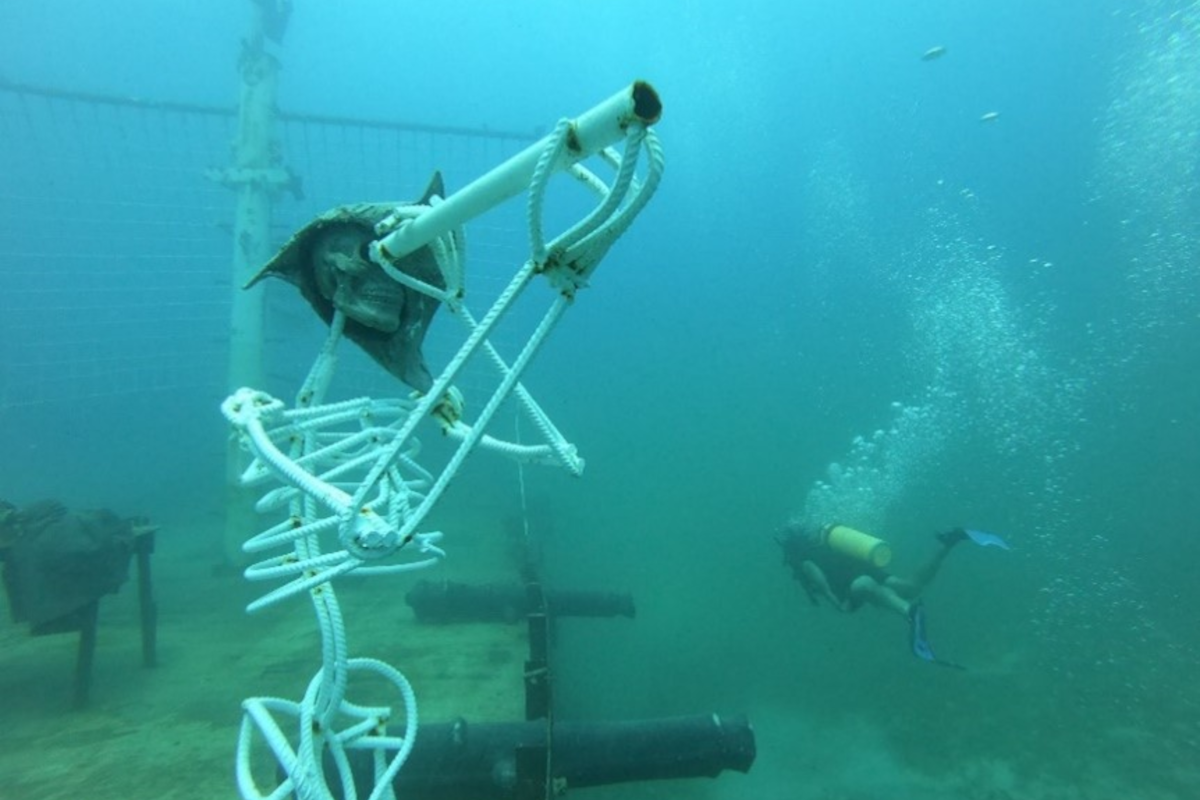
646 104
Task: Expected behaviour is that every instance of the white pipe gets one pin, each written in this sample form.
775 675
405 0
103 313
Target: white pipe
591 132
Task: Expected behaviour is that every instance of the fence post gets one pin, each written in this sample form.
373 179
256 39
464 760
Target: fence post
255 176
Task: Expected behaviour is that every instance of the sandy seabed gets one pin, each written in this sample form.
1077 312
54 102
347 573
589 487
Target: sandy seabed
171 731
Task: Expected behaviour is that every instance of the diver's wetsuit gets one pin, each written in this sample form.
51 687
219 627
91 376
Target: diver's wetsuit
807 544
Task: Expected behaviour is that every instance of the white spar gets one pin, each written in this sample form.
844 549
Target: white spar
602 126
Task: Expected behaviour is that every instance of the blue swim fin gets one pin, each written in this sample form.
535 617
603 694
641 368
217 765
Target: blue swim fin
918 642
985 539
916 632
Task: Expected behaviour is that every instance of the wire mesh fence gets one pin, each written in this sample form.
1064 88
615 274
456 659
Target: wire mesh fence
116 251
116 246
112 256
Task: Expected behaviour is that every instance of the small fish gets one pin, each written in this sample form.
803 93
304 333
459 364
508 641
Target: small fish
990 116
933 53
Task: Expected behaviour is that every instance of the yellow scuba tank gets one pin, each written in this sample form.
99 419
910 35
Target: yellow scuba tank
858 545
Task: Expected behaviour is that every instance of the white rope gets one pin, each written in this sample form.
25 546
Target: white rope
348 472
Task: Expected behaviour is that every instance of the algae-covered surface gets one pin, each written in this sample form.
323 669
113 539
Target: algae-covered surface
171 731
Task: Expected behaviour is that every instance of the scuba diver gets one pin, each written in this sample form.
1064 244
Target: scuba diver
845 568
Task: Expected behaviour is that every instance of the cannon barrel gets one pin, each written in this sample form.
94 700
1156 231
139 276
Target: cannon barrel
448 601
478 761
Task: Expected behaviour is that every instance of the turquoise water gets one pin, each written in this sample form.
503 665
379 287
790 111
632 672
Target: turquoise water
853 299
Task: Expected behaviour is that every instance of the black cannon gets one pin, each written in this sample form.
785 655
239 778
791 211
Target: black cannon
486 761
448 601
